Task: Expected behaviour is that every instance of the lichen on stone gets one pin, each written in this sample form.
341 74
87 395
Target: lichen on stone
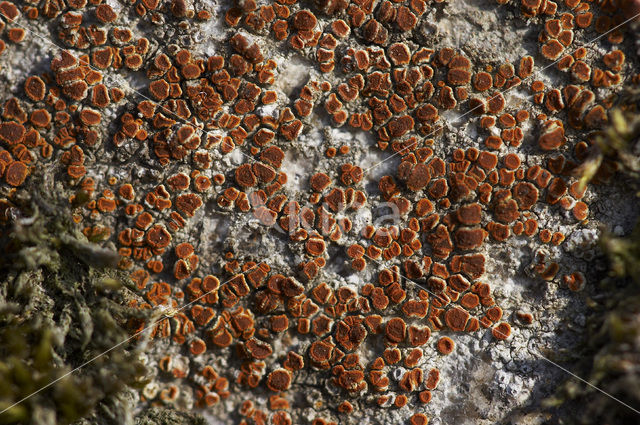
310 212
60 308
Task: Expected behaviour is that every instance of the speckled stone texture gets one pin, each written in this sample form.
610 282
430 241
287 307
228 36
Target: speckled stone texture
340 211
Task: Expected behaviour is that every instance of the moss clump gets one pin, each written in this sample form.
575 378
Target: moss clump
610 357
61 306
618 146
610 360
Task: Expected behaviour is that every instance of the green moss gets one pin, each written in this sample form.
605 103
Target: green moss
624 254
62 304
610 356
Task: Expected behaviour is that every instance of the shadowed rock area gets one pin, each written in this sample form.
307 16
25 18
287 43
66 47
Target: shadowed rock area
319 212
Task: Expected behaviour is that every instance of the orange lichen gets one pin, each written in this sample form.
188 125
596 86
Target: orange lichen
419 419
209 112
445 345
279 380
501 331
